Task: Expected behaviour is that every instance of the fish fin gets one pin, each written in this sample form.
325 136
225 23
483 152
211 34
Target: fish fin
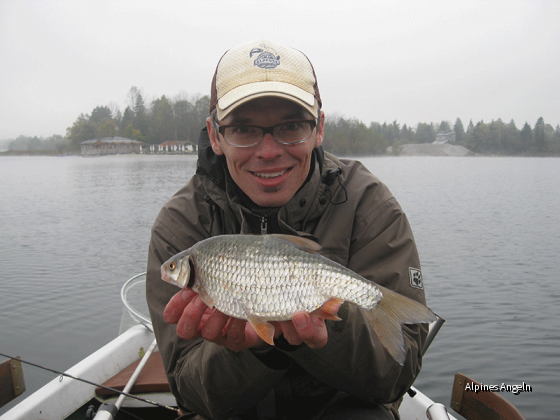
329 309
264 329
301 243
388 316
206 298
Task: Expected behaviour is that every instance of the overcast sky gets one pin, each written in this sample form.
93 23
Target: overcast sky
384 60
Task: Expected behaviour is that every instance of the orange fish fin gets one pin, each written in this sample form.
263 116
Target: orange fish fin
301 243
264 329
329 309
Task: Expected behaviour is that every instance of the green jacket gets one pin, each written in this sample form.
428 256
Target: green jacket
359 224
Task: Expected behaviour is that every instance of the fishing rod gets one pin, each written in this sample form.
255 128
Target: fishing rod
63 374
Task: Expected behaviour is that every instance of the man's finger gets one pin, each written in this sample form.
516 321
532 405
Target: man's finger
235 335
188 325
311 329
212 329
290 333
177 304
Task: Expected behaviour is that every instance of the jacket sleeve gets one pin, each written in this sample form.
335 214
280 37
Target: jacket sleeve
205 378
381 249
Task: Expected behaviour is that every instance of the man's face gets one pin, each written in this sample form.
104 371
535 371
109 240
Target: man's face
269 173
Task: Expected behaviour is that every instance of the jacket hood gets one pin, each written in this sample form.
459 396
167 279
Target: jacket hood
209 164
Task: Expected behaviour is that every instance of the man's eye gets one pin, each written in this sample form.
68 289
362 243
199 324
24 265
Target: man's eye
243 129
291 126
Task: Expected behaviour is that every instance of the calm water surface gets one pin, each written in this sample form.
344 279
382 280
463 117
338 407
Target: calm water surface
488 230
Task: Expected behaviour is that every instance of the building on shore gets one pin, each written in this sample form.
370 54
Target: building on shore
446 137
111 146
173 147
122 145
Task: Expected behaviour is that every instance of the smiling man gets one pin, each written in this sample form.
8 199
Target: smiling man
262 169
269 168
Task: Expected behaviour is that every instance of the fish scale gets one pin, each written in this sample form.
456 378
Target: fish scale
276 272
264 278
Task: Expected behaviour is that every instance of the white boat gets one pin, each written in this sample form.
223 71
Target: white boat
68 397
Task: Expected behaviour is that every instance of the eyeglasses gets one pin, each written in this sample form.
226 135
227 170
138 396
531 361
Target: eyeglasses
291 132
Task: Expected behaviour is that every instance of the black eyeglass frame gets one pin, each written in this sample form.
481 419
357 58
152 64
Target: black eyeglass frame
265 130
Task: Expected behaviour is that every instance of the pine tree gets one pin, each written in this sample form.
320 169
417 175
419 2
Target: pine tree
459 131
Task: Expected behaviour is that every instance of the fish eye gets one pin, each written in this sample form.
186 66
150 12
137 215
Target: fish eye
172 266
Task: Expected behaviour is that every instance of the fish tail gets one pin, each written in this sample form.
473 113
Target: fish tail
388 316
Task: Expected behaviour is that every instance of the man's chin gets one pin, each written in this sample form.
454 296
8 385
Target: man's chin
272 190
270 197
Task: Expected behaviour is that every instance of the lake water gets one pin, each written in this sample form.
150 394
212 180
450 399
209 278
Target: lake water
488 231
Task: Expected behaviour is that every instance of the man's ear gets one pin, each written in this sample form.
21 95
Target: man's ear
320 129
214 140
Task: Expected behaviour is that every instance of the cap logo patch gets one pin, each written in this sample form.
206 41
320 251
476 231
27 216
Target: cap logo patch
265 59
415 278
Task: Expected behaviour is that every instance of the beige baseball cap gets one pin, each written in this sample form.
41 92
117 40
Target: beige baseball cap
263 68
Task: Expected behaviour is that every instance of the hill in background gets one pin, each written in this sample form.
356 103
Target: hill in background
431 149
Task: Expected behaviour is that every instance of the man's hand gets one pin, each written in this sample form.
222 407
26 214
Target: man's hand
304 328
195 319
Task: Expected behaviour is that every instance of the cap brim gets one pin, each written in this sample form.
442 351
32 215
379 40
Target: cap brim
250 91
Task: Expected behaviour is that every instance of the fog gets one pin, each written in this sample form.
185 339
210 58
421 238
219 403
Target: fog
376 61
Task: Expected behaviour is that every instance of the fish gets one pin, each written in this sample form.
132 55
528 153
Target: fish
262 278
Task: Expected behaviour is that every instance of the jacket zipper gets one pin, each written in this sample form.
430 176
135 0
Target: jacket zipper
264 226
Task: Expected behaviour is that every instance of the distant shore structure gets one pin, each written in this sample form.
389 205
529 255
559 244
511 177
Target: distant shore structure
431 149
443 145
445 137
122 145
111 146
172 147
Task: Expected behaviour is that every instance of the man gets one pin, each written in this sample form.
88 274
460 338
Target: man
262 169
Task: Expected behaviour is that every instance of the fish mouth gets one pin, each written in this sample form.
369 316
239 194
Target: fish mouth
166 277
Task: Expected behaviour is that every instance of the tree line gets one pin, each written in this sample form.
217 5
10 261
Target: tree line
346 137
181 118
164 119
55 144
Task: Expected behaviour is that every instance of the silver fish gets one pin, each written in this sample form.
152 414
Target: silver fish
264 278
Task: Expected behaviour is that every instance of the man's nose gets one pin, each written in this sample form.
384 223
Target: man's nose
269 148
